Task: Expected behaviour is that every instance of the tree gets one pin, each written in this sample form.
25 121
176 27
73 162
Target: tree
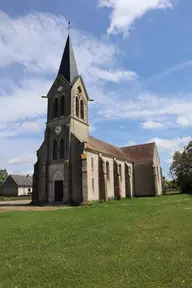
3 175
181 168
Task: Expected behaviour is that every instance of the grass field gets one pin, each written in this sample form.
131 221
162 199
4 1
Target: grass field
131 243
2 198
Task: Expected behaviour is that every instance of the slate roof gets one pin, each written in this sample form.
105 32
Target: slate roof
104 147
68 66
136 153
22 180
139 153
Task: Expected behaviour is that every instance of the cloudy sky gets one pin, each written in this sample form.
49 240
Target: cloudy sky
135 57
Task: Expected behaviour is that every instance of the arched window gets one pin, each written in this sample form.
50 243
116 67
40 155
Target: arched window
62 106
55 108
62 149
77 106
120 171
54 150
92 164
66 146
82 109
107 170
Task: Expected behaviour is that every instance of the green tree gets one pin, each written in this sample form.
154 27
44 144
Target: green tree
3 175
181 168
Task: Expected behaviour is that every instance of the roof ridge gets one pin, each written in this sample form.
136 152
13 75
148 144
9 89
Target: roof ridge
23 175
136 145
106 143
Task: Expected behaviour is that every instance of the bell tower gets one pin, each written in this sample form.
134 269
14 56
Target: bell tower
57 175
67 106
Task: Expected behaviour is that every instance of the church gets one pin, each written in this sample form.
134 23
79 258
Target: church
73 167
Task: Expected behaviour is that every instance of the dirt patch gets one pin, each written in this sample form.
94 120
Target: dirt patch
24 205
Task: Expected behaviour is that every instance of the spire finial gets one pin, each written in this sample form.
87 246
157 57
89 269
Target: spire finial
69 26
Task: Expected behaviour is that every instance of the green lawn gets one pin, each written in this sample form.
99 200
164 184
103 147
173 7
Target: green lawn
3 198
131 243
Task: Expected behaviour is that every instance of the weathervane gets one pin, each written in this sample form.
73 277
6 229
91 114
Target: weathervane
69 26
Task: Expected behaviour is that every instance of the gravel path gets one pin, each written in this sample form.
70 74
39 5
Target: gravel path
23 205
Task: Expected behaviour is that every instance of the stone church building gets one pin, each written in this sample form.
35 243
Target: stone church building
73 167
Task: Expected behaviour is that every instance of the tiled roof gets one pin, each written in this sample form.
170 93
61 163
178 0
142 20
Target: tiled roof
137 153
106 148
22 180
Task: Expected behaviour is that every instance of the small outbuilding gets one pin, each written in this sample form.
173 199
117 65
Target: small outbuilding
17 185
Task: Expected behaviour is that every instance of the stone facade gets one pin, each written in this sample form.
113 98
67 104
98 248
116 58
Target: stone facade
73 167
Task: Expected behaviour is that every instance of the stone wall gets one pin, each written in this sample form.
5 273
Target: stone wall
144 179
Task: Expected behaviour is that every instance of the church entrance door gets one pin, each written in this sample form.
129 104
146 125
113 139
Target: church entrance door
58 191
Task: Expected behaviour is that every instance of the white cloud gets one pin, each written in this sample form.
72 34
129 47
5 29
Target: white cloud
131 143
155 111
25 110
174 69
171 145
184 121
114 76
26 159
126 12
17 128
153 125
167 147
18 155
44 32
46 36
180 122
92 128
21 101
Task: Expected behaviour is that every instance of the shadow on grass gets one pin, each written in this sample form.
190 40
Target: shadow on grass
15 204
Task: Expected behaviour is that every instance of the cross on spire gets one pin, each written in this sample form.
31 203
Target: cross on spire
69 26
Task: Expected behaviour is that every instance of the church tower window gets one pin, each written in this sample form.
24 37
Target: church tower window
79 89
107 170
55 107
120 171
62 149
54 150
77 106
82 109
62 106
92 164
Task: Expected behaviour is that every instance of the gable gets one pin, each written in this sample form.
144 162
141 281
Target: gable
78 82
59 86
156 158
140 153
9 183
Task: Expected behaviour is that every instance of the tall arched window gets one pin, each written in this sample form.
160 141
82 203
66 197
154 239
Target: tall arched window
77 106
66 146
82 109
54 150
55 108
120 171
107 170
62 149
62 106
92 164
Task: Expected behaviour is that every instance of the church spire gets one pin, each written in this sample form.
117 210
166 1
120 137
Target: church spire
68 66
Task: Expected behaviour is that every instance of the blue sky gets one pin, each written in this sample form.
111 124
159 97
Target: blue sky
135 58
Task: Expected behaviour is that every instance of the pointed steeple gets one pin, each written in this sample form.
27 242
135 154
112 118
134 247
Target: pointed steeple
68 66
